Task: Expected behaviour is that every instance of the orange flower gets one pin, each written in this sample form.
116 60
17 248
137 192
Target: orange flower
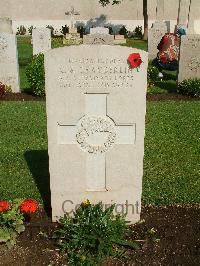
134 60
28 206
4 206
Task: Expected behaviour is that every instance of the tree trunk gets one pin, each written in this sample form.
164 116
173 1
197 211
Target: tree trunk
145 14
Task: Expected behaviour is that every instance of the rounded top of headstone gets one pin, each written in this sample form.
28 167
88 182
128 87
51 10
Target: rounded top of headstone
6 25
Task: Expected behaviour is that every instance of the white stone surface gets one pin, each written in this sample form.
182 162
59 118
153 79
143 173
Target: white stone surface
189 63
9 69
96 121
6 25
98 39
99 30
41 38
154 37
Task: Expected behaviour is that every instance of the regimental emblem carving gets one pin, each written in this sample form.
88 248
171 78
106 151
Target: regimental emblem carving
98 41
194 64
96 134
41 36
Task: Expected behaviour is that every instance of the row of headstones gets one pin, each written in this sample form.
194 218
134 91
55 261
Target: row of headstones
41 40
98 35
189 56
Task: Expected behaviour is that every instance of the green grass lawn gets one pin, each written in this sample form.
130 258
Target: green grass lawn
172 152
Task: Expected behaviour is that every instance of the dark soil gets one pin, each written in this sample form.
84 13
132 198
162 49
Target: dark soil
176 241
150 97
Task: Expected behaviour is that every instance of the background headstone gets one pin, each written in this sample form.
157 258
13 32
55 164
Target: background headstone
96 121
99 30
9 69
154 37
189 62
6 25
98 39
119 39
41 39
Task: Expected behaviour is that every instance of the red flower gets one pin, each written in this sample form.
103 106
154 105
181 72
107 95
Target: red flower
28 206
4 206
134 60
163 58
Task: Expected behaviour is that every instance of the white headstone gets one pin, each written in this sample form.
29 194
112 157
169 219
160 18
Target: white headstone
189 63
99 30
9 69
41 40
154 37
96 121
6 25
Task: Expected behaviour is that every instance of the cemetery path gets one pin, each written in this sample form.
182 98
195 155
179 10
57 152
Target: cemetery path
176 227
150 97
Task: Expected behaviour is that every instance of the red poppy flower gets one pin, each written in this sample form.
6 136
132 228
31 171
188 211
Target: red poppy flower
4 206
163 58
134 60
28 206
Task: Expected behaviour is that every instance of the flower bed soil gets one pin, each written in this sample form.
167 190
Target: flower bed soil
150 97
178 228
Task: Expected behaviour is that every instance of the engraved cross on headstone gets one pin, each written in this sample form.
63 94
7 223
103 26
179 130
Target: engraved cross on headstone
95 134
72 13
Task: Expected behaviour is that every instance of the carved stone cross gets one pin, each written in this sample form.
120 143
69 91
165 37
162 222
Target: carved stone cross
95 134
72 13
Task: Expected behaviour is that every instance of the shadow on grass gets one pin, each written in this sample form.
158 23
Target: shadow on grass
38 163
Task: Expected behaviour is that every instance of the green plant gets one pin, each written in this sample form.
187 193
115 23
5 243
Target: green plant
36 75
21 30
30 29
123 31
152 75
11 223
190 87
57 42
65 29
138 32
92 234
12 219
81 29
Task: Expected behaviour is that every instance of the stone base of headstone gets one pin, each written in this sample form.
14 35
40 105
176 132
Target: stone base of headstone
98 39
154 37
9 69
119 39
99 30
189 62
72 38
72 30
